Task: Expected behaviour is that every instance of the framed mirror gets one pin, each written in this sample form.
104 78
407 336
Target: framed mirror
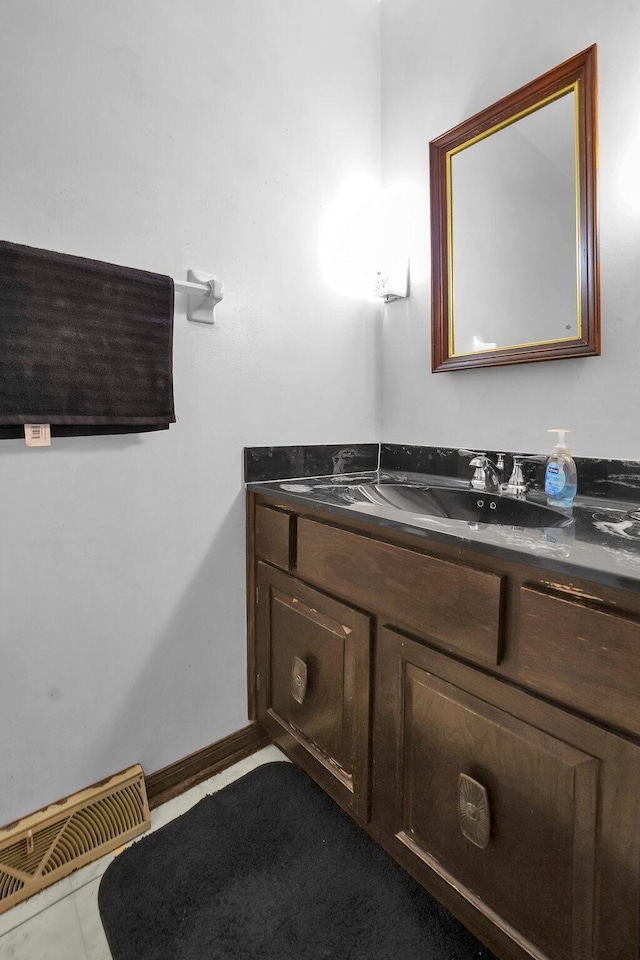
513 227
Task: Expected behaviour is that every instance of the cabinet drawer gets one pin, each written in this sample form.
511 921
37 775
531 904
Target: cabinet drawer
584 656
313 691
456 605
273 531
529 818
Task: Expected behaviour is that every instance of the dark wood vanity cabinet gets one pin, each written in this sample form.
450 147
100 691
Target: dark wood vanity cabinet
479 718
313 695
507 799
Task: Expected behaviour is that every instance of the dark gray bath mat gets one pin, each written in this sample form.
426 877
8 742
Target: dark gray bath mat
270 868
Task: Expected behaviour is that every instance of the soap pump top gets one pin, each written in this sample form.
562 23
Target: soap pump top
560 446
561 478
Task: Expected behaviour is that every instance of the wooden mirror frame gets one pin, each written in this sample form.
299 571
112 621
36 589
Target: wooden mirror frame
580 70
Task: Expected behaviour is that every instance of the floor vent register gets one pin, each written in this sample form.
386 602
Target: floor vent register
51 843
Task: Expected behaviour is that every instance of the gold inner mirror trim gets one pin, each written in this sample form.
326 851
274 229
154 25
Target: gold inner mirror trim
571 88
515 346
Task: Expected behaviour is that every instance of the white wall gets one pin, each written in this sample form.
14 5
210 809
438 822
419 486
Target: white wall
441 63
204 133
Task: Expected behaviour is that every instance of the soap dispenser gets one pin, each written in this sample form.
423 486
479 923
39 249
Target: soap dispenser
561 476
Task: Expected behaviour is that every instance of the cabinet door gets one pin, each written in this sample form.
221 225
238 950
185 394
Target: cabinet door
527 814
313 684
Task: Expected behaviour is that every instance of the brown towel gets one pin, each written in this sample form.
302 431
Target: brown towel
85 346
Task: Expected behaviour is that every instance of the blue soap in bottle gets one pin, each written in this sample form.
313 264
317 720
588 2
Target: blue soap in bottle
561 476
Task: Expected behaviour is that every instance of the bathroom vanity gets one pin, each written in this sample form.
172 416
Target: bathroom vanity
469 693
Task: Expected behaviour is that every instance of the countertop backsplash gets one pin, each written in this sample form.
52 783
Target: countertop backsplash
609 479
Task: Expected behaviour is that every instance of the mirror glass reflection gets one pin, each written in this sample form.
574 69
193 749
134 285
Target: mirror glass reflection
514 232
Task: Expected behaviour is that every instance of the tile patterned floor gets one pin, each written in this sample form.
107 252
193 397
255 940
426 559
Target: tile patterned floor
63 922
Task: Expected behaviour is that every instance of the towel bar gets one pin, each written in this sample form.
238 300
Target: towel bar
204 292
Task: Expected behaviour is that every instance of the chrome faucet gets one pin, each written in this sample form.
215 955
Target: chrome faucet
487 476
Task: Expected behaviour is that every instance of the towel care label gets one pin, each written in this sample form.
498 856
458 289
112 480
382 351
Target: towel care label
37 434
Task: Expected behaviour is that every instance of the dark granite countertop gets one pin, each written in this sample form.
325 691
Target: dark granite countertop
599 543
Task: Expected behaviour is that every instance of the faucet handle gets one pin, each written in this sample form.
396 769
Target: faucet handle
481 456
517 485
477 481
487 475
